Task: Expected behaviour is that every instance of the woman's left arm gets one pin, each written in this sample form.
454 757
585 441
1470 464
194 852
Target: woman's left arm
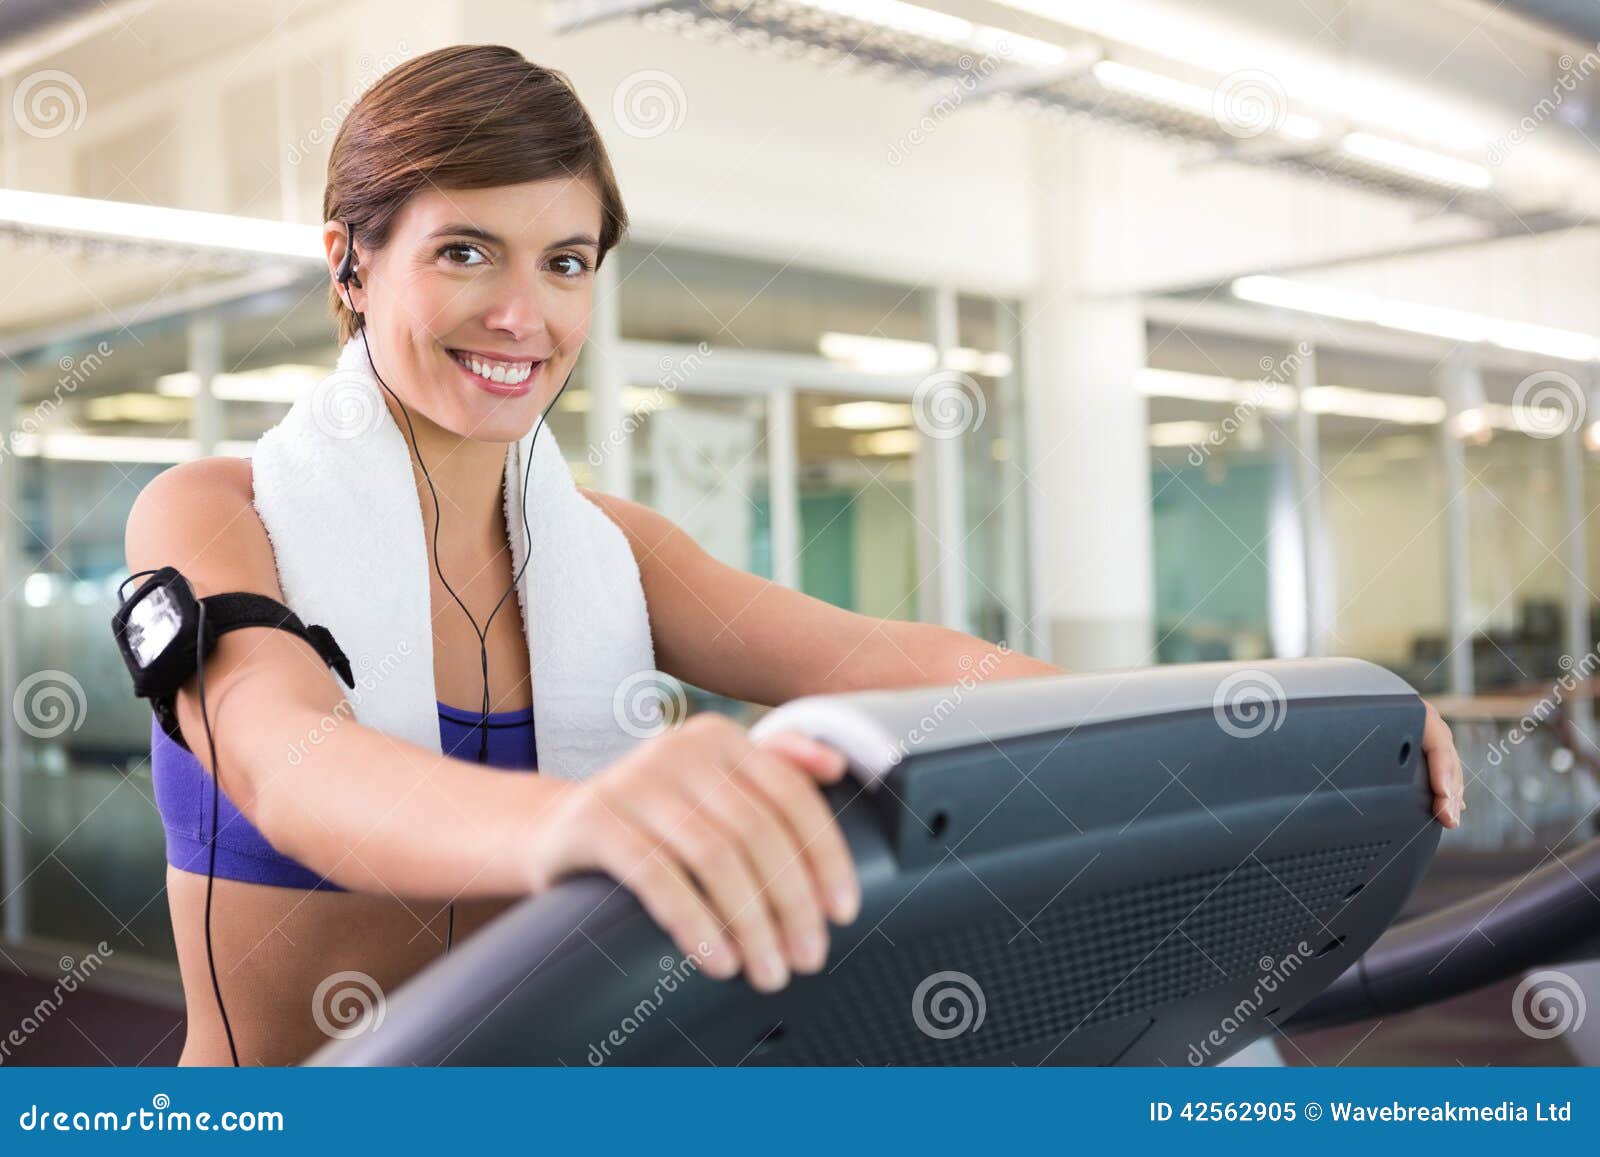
746 637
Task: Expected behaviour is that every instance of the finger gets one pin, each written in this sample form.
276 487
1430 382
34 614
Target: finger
790 885
783 887
822 843
717 859
817 759
634 861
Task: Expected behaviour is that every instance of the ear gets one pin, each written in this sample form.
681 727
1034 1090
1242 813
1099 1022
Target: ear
334 242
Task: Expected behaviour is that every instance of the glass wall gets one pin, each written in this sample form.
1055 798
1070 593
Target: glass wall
1518 580
858 529
1226 536
1383 499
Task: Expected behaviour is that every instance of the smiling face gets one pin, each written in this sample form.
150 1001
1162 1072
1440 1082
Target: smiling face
478 305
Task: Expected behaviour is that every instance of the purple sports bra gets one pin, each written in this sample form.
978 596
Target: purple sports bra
183 795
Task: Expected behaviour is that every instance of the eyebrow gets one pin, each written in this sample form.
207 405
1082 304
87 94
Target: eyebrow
461 230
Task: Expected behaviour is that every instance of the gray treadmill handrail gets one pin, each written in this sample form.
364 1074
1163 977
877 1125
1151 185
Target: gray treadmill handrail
1546 917
875 729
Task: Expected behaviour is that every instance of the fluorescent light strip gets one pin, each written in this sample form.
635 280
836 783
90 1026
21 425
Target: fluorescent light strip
1190 98
1214 388
889 355
1415 317
869 414
1422 163
1316 80
1403 409
112 448
946 29
278 384
86 216
1407 409
1180 433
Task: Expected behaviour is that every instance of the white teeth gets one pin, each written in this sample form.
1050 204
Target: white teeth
504 373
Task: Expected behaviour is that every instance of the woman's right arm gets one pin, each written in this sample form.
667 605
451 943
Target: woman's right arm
710 832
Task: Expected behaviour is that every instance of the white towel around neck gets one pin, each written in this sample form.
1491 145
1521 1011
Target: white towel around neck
335 489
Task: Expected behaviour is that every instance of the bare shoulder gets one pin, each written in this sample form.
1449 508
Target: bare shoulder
647 531
200 517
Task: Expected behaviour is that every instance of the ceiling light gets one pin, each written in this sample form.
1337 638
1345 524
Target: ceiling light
1409 159
1180 433
1214 388
1415 317
53 213
864 415
137 407
940 26
884 444
280 384
902 36
1404 409
1190 98
1316 79
110 448
888 355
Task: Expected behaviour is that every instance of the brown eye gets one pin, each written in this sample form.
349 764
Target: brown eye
582 265
460 247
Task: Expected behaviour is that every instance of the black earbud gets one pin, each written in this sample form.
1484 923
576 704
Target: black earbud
347 266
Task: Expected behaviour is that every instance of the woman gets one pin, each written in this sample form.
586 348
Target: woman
481 202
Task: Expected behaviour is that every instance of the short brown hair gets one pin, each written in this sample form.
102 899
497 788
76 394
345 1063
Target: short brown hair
471 116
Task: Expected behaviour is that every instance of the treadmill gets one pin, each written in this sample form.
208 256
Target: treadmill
1144 867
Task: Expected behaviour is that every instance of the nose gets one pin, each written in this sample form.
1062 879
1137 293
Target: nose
516 311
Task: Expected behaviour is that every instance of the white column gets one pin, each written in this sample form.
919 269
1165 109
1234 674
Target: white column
783 486
1316 555
205 362
1088 434
1576 550
1017 499
1458 382
11 867
944 455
